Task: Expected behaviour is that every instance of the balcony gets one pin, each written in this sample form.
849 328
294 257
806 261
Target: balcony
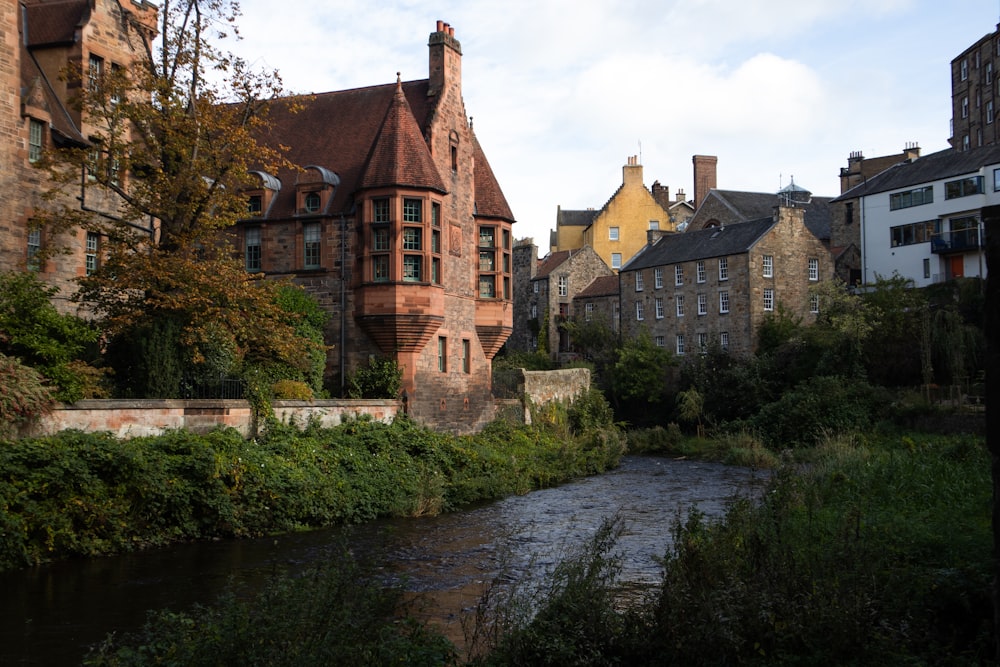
963 240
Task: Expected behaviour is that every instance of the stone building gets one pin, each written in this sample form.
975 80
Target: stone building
715 286
547 287
618 230
599 302
39 41
975 94
397 224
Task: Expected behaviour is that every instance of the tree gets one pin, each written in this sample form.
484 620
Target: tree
173 147
639 377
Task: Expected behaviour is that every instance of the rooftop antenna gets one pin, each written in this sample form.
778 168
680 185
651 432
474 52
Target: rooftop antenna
640 147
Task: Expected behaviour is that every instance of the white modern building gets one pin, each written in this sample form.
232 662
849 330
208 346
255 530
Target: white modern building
922 218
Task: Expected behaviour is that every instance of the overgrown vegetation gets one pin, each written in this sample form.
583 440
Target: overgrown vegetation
84 494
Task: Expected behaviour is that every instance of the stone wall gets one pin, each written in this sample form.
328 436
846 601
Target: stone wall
541 387
134 418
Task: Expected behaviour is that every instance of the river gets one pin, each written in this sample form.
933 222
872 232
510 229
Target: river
50 614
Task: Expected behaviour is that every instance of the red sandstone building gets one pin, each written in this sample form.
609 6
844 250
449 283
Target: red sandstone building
398 226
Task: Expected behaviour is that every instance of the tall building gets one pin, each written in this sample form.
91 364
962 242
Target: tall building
397 224
975 95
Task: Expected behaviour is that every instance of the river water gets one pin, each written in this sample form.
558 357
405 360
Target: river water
49 615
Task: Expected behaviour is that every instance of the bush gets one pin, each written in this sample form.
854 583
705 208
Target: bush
590 410
24 397
291 390
381 378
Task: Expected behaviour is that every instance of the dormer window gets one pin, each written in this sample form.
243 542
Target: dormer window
311 203
260 198
255 205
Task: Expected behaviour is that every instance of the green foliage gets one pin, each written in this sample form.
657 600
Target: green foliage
380 378
148 361
590 410
24 397
529 361
291 390
655 440
639 378
335 613
32 330
309 321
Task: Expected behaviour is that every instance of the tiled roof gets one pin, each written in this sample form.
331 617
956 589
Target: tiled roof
602 286
490 201
931 167
550 262
701 244
337 130
400 156
566 218
755 205
54 21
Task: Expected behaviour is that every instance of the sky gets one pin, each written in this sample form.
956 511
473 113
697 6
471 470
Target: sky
563 92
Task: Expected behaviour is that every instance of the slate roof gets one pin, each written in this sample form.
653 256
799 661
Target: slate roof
701 244
52 22
550 262
755 205
930 167
565 218
601 286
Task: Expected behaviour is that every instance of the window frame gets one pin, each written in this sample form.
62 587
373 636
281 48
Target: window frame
639 311
679 305
767 266
252 249
36 139
702 304
614 233
658 275
312 234
658 306
768 299
92 253
678 275
813 268
724 302
700 275
723 269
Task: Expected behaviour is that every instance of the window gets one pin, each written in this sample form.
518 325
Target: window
963 70
466 352
638 281
311 202
255 205
612 233
380 268
35 137
535 287
34 247
989 112
680 345
813 269
659 309
678 275
380 239
638 311
413 239
589 312
658 273
654 225
435 215
916 197
723 268
965 107
767 262
680 305
989 73
917 232
723 302
700 271
251 248
310 245
442 354
413 210
487 237
963 187
703 304
412 265
616 260
996 180
660 341
436 270
769 299
616 316
95 72
380 210
703 343
487 286
814 303
114 170
93 241
848 213
724 340
534 311
563 286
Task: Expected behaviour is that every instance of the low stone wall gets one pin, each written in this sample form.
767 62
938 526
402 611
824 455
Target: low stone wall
133 418
541 387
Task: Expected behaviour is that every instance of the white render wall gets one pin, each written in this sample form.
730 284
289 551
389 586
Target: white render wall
880 258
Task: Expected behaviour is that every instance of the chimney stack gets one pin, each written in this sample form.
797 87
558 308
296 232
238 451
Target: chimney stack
704 177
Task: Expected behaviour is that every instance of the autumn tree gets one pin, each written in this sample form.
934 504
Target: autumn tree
173 142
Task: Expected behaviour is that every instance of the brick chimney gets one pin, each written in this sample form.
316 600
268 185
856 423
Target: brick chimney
445 59
704 177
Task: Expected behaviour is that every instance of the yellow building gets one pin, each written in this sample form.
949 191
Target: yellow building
619 230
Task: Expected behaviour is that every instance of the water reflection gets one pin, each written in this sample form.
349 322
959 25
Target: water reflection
49 615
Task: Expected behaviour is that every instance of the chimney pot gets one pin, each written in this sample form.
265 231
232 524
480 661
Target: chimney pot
440 26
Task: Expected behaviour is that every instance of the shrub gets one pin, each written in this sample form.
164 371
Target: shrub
292 390
380 378
24 397
589 410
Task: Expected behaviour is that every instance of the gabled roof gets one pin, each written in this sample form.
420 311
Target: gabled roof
551 262
399 156
701 244
932 167
490 201
755 205
601 286
566 218
52 22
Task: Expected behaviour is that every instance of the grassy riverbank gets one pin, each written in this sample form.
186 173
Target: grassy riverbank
77 494
878 552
